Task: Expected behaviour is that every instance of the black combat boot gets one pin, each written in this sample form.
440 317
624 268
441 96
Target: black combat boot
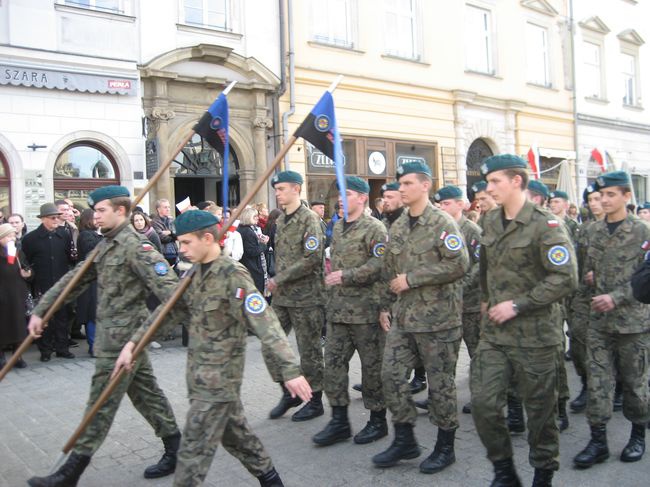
375 429
419 382
443 453
357 387
515 416
543 478
618 396
505 474
562 415
67 476
404 447
286 402
635 448
167 463
270 479
312 409
596 450
338 429
467 408
422 404
579 404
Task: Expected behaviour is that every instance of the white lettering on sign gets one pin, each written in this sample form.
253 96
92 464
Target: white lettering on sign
123 84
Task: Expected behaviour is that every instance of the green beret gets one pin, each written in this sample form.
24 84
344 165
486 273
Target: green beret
501 162
558 194
644 206
106 193
614 178
287 177
538 187
394 186
448 193
591 188
193 220
355 183
414 167
479 186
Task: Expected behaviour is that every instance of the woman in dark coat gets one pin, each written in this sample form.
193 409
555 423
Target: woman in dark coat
87 302
13 294
254 247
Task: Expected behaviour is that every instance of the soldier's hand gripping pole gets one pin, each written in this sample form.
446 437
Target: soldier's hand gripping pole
60 300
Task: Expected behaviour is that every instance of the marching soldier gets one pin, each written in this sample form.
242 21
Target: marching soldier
222 304
537 192
358 246
558 202
527 266
424 262
393 206
581 303
127 269
484 199
297 290
619 330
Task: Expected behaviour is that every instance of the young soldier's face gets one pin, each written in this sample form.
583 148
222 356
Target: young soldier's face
613 199
195 248
501 187
452 207
106 217
485 201
558 205
643 214
355 200
392 201
594 201
286 193
412 188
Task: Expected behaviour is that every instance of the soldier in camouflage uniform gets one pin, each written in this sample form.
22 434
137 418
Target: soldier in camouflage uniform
357 250
527 266
425 261
581 303
297 289
485 201
127 269
221 305
619 330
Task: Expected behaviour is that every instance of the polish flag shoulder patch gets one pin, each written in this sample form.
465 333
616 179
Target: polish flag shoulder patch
443 235
147 247
240 293
552 223
645 245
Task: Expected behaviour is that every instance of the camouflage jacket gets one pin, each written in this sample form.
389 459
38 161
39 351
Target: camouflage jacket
533 263
573 228
471 289
432 255
298 249
221 305
127 269
358 251
388 219
614 258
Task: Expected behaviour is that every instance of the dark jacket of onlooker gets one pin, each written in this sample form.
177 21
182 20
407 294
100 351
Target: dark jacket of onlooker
48 254
253 255
87 302
168 242
13 296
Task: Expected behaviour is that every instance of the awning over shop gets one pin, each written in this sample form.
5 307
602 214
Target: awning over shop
35 77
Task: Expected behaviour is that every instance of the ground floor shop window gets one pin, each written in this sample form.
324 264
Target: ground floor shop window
5 187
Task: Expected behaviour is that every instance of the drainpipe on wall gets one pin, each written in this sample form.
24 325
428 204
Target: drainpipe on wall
292 80
575 101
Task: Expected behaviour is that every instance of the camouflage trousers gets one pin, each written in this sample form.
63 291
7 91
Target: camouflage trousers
147 398
308 324
438 352
629 354
534 373
471 331
342 340
581 306
207 425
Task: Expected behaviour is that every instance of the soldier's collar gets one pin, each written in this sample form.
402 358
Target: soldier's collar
116 232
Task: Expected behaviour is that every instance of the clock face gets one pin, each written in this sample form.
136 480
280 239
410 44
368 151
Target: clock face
377 162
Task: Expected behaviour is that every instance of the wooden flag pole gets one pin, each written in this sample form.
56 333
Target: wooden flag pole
60 300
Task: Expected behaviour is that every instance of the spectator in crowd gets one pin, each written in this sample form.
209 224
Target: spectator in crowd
89 237
3 213
142 224
163 224
262 215
379 209
254 243
47 250
76 209
573 212
67 219
338 214
68 225
17 221
271 226
13 295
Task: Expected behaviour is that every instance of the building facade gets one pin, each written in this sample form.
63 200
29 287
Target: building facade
612 66
95 93
447 86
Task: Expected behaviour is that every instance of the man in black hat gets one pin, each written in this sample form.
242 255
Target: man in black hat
47 250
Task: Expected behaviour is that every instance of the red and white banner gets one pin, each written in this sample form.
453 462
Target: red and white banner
600 158
533 161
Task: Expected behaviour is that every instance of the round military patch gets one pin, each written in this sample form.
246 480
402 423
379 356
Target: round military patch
255 303
558 255
161 268
477 251
322 123
215 123
379 250
453 242
311 243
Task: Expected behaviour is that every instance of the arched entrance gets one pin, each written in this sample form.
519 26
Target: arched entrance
478 151
200 174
